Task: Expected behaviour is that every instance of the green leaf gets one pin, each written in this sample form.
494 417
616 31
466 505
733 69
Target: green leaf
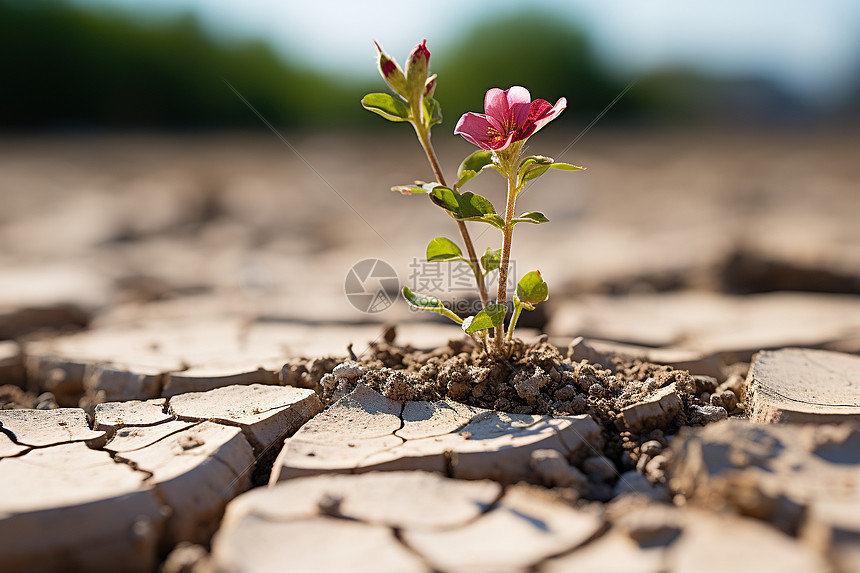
446 198
491 260
465 177
472 166
566 167
465 206
387 106
422 301
535 160
442 249
489 317
532 289
534 173
491 218
476 162
533 163
531 217
429 303
472 205
536 165
433 112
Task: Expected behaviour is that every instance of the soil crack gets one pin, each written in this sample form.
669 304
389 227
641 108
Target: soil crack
118 458
11 435
390 448
398 535
162 438
773 392
597 535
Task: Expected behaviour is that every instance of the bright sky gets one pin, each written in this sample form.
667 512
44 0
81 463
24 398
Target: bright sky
812 47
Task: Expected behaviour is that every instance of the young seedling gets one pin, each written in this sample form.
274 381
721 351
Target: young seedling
510 118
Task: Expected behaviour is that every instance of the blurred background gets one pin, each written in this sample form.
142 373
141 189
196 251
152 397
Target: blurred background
159 64
721 143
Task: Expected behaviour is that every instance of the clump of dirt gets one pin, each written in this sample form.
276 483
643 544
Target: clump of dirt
303 373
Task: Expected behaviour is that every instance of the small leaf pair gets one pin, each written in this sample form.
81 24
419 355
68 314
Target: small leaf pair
534 166
531 290
394 109
466 206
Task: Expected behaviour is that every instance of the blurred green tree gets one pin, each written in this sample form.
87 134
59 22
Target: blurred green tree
63 66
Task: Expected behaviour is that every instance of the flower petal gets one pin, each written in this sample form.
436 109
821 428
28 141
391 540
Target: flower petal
497 125
547 114
520 113
539 109
499 143
510 115
517 94
496 104
475 128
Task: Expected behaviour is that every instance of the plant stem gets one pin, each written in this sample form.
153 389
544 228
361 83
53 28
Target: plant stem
506 255
451 315
518 308
424 138
477 340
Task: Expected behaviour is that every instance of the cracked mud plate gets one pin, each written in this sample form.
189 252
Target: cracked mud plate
807 386
364 431
397 522
72 502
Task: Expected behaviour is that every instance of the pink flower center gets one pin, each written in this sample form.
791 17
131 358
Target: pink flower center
497 135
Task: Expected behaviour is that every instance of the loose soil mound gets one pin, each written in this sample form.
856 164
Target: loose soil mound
634 401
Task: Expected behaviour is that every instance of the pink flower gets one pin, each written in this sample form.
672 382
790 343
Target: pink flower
511 116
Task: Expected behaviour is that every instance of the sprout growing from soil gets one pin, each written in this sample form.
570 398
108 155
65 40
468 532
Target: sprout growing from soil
510 118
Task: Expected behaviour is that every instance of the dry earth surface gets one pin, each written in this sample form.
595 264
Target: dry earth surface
178 359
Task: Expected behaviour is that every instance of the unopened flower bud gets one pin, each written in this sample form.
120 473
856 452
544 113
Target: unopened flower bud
430 86
391 73
416 69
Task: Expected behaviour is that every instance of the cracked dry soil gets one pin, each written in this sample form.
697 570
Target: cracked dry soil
390 522
537 379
